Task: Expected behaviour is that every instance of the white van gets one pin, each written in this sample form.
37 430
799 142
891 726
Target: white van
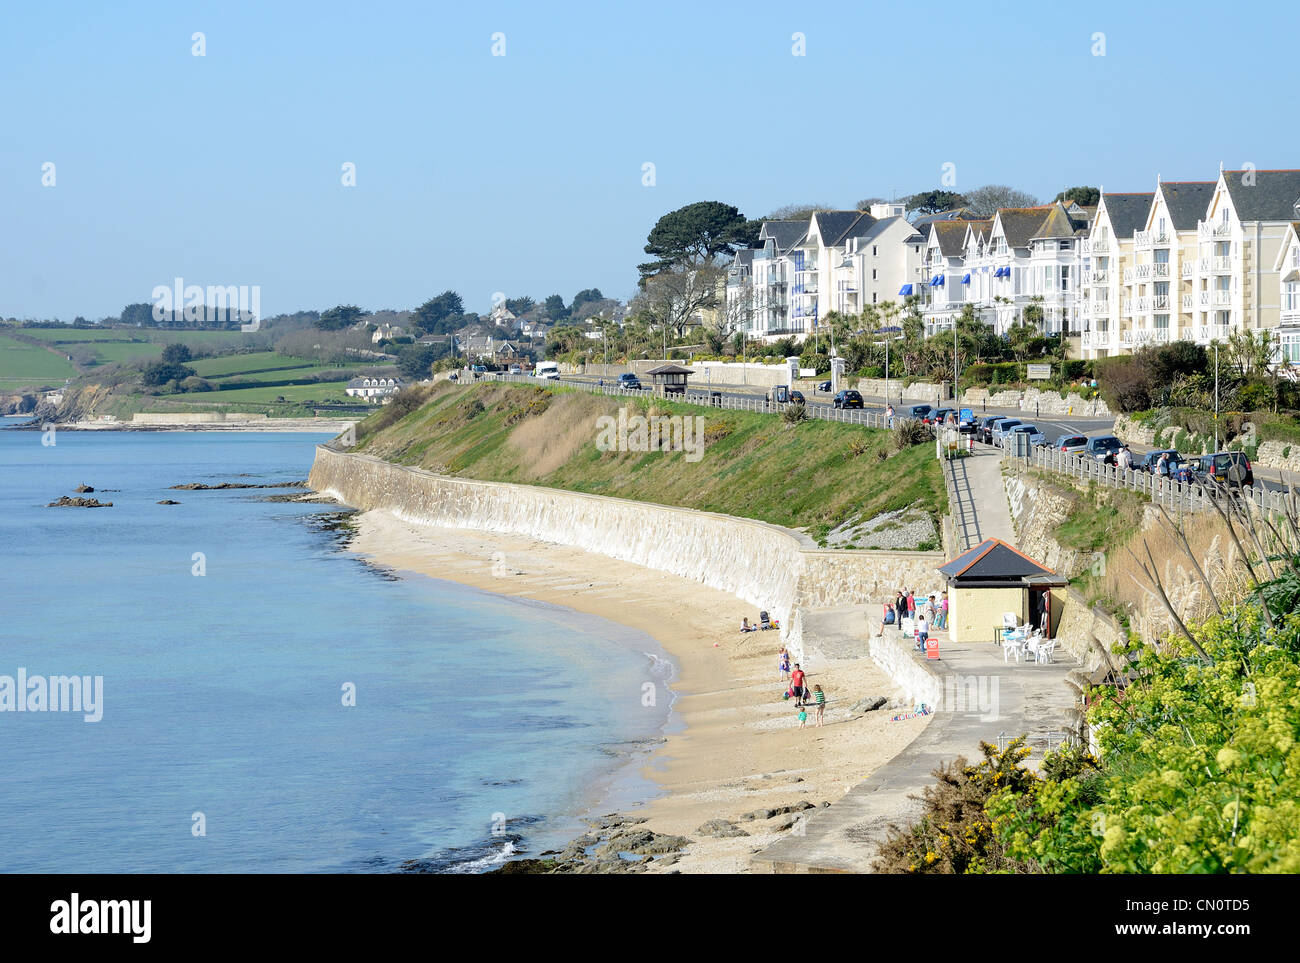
548 370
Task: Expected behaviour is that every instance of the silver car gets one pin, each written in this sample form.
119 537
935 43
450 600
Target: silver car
1001 428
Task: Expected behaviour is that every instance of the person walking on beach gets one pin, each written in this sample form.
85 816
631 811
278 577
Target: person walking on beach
911 602
796 683
819 697
783 665
922 631
900 606
942 622
803 718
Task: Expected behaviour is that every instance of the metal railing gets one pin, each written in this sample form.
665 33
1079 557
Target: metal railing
1174 495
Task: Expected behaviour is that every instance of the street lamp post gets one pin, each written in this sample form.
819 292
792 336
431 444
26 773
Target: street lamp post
1216 396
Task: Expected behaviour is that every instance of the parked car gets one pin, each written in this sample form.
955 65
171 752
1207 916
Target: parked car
848 399
919 411
1103 448
823 386
1071 444
984 431
1180 469
1002 427
629 382
796 398
1036 437
516 369
1224 467
939 416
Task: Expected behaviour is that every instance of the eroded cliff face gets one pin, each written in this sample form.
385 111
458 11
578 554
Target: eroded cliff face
770 567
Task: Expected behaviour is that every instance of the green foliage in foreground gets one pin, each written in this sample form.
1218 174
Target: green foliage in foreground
1199 772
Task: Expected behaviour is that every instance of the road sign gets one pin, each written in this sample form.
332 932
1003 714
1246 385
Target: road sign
1038 372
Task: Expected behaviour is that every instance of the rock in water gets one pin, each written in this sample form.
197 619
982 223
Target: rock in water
66 502
168 501
83 489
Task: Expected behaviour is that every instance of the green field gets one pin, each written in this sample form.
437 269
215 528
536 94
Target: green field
156 335
252 363
23 365
813 475
331 391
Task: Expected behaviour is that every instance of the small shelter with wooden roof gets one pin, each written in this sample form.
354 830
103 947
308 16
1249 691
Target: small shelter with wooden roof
992 579
671 378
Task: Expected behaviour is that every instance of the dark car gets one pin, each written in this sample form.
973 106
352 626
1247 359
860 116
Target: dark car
919 411
823 386
1103 448
939 416
984 432
1224 467
848 399
629 381
796 398
1180 469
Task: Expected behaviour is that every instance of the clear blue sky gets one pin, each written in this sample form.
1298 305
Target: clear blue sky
522 173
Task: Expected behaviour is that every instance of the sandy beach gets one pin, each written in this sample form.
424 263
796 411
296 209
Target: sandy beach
737 747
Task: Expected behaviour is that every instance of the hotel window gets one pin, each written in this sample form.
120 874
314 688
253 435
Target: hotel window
1063 245
1291 296
1162 322
1065 277
873 250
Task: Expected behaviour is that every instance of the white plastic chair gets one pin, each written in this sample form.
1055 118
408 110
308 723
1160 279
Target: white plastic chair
1045 650
1011 646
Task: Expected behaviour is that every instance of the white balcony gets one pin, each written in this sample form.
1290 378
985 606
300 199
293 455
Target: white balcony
1127 307
1100 277
1220 299
1189 302
1100 244
1160 269
1219 265
1206 333
1210 231
1136 337
1290 317
1188 268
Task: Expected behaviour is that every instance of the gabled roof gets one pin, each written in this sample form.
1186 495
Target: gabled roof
951 237
1020 223
993 560
670 369
834 226
744 257
1128 212
1187 201
1272 196
786 234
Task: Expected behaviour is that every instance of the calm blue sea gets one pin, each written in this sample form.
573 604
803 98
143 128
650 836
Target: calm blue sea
483 725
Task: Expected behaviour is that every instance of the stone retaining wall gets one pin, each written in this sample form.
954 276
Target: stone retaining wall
770 567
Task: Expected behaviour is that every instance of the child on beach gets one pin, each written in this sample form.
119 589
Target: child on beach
803 718
783 665
820 697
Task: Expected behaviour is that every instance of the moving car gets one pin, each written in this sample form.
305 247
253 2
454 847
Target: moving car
919 411
823 386
1036 437
547 370
1224 467
629 382
1002 427
796 398
515 369
1070 444
939 416
1103 448
848 399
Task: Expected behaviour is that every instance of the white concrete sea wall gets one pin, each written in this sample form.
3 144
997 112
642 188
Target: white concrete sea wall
770 567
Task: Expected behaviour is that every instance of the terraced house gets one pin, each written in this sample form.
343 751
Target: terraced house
1209 258
1109 249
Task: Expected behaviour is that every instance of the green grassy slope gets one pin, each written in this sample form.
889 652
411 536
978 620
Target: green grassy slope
811 475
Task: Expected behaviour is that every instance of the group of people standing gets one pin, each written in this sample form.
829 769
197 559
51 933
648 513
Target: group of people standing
797 681
926 613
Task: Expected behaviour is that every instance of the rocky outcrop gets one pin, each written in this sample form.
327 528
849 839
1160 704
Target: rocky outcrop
66 502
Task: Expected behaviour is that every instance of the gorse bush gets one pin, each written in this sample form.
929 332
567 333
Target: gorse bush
908 432
795 413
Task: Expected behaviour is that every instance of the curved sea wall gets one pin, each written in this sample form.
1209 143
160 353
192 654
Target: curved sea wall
772 568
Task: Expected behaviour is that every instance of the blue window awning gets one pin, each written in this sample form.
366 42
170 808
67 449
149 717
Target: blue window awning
938 281
966 279
1000 272
905 290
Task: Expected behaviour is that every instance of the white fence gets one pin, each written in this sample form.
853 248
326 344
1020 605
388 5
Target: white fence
715 399
1173 495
